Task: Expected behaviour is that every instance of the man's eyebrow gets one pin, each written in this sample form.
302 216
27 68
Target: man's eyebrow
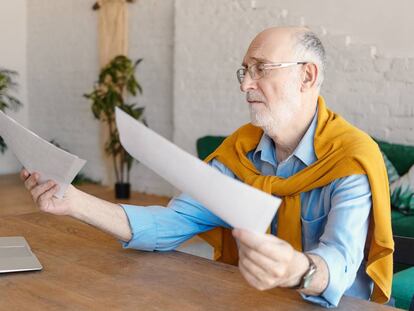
257 60
261 60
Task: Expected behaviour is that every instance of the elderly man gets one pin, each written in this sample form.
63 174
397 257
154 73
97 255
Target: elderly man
330 175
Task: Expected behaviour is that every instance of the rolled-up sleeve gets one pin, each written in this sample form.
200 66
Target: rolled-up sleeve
143 227
342 243
158 228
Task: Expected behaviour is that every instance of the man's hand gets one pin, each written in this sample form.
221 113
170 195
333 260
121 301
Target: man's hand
104 215
43 194
266 261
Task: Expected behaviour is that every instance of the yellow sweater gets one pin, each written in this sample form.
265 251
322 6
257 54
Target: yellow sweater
341 150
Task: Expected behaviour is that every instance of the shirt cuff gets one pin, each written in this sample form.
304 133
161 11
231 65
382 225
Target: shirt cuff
143 227
337 277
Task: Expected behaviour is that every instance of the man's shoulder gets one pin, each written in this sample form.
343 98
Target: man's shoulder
351 140
357 142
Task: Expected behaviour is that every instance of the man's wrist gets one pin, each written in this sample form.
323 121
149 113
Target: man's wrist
307 277
298 268
73 201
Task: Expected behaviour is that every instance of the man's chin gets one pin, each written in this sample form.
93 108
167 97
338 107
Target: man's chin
259 124
255 122
265 126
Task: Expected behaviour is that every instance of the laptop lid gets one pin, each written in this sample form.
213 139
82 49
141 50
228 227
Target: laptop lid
16 255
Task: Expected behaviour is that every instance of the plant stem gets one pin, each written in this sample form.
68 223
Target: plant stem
121 160
127 174
110 127
125 166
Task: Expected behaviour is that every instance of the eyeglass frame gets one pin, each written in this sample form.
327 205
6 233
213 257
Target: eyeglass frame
266 66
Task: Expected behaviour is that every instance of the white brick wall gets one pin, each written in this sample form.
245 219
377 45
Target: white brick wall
191 50
372 91
13 56
63 65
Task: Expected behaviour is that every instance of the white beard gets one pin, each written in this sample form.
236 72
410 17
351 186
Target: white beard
273 118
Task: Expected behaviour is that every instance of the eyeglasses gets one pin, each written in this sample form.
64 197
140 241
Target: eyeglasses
258 70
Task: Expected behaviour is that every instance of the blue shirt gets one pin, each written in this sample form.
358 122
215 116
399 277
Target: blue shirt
334 219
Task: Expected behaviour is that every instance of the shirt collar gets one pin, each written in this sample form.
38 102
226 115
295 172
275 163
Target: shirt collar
305 151
265 150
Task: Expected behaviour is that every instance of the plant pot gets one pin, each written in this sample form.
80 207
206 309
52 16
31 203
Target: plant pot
122 190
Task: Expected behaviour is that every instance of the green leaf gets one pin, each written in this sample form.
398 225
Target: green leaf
402 198
116 81
3 146
7 101
81 179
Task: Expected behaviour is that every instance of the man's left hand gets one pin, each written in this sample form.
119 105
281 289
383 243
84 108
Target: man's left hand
266 261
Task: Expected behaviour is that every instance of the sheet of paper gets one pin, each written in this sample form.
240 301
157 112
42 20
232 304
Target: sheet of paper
238 204
38 155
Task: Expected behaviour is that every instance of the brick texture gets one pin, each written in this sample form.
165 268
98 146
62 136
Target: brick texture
191 50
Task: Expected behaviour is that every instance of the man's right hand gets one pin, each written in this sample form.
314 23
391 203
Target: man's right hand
43 194
104 215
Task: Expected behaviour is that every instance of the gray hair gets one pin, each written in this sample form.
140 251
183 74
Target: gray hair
309 48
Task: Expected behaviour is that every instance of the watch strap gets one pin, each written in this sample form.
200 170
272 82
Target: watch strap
308 275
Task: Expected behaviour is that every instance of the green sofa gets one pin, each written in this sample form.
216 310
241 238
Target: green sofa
402 157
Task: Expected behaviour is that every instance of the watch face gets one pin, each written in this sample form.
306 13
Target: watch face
307 278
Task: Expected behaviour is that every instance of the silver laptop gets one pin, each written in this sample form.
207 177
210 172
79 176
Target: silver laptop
16 255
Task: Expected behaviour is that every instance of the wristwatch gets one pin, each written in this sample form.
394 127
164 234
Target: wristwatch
308 276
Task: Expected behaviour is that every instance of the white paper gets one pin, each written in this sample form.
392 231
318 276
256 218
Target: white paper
38 155
240 205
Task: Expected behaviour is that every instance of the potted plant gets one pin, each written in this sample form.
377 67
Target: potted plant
7 101
117 81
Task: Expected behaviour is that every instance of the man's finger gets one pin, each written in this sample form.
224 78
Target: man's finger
254 240
46 196
268 264
261 275
31 182
24 174
251 238
250 278
40 189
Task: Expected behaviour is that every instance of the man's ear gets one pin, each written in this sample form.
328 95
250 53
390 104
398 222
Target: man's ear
310 74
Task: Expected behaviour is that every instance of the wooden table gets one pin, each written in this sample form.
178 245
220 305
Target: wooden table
15 200
85 269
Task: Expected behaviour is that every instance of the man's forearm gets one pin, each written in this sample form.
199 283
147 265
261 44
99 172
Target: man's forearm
104 215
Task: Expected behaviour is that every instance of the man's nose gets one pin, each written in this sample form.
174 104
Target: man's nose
248 83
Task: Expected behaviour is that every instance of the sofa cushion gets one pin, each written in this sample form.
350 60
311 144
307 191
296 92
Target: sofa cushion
402 193
207 144
391 170
403 226
402 288
402 156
